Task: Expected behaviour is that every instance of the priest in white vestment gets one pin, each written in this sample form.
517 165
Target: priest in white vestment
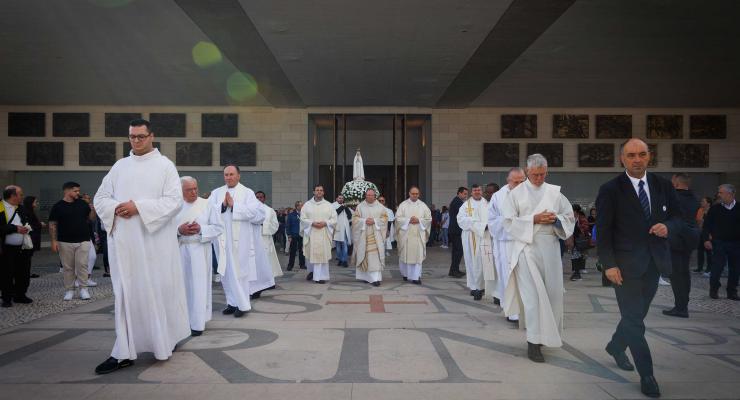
369 224
342 233
535 215
501 239
390 234
270 226
197 227
476 240
413 226
242 261
318 219
137 203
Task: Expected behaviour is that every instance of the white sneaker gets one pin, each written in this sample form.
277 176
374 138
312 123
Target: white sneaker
663 282
84 294
217 278
91 283
69 295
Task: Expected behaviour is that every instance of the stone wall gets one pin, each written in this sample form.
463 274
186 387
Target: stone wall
457 142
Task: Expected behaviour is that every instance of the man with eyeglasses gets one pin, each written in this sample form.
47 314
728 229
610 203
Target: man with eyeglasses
137 202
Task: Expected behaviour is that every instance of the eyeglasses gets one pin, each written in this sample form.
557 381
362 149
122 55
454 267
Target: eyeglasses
138 138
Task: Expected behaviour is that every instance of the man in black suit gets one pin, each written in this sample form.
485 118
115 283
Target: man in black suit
636 212
683 241
15 271
455 233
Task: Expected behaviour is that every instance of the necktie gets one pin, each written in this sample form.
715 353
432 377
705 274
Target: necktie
644 202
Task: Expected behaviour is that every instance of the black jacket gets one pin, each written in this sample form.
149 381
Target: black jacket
686 238
623 240
455 205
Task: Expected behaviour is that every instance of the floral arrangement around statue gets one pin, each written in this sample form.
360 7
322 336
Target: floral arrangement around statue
354 190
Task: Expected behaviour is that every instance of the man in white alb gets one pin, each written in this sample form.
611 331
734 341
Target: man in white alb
369 224
535 215
137 202
197 227
476 240
501 239
269 227
342 233
318 219
413 224
242 261
390 234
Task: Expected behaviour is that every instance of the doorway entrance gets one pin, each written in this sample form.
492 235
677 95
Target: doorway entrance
396 152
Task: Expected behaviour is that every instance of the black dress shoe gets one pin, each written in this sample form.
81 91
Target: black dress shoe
713 294
302 267
405 278
6 304
622 361
676 313
478 295
733 297
496 301
112 364
309 276
535 353
321 281
513 321
229 310
459 274
416 282
239 313
649 387
255 295
472 292
35 276
22 300
290 268
193 332
376 283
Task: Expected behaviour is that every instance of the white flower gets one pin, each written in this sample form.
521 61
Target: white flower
354 191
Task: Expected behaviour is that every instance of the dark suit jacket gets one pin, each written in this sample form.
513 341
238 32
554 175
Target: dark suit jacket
455 205
623 240
686 238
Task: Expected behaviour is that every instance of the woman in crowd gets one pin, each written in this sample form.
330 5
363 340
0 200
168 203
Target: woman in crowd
31 205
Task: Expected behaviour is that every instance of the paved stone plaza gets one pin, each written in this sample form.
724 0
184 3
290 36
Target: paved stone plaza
349 340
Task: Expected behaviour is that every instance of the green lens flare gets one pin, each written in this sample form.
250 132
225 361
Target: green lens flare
206 54
241 86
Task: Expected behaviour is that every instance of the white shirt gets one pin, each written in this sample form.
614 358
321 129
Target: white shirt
636 185
13 239
727 206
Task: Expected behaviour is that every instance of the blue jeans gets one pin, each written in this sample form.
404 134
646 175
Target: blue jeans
341 251
445 239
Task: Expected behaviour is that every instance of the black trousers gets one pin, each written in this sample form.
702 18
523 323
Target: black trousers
701 255
15 272
681 278
729 253
296 244
457 251
578 264
634 297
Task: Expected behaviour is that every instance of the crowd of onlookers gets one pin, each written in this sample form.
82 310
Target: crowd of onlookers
86 229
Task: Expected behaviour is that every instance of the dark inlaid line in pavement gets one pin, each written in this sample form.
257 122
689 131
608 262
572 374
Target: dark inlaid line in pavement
43 344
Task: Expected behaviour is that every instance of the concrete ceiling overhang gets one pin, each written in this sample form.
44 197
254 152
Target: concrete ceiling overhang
333 53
